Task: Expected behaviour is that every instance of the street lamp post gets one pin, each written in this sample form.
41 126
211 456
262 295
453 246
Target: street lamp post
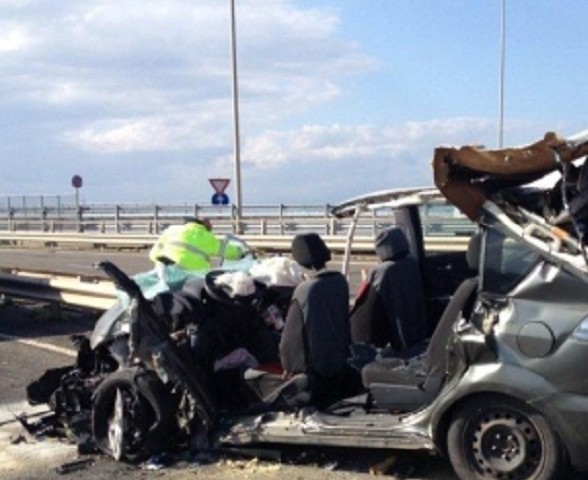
501 73
236 140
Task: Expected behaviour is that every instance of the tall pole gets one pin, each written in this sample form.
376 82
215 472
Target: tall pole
236 141
501 74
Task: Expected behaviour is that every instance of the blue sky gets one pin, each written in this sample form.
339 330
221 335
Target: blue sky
337 97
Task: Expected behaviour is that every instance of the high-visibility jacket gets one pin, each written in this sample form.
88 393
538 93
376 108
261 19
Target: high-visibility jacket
191 246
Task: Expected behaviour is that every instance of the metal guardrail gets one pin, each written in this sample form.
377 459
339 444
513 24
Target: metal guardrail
84 291
153 219
254 220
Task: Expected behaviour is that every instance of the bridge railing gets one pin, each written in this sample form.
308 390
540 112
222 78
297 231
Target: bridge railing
255 220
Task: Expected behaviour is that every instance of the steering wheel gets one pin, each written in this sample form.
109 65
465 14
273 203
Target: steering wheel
219 293
248 251
222 293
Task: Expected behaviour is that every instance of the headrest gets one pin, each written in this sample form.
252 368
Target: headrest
473 252
391 244
310 251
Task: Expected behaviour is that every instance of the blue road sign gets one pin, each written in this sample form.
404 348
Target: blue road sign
220 199
76 181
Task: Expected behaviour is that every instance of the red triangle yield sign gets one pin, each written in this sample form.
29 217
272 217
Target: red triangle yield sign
219 184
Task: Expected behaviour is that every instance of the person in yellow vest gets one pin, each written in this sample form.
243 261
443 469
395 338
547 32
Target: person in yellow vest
191 246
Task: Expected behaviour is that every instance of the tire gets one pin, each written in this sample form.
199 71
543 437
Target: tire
132 415
501 438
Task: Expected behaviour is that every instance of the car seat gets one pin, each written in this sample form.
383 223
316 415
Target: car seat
405 386
390 307
319 308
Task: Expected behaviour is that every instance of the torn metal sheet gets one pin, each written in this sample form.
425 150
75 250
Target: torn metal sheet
465 175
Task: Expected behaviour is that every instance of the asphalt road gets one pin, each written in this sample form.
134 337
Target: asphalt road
72 261
35 337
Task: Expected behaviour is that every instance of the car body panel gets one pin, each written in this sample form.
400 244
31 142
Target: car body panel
382 430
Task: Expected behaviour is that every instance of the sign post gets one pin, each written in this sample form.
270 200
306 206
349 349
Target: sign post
77 182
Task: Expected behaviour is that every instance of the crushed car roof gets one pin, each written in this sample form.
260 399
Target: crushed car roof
468 174
507 187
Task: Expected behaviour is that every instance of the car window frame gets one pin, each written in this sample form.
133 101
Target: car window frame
489 288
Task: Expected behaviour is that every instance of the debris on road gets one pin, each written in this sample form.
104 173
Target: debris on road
74 466
158 462
252 466
383 467
15 440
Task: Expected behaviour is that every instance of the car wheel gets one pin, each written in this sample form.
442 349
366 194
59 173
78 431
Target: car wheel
501 438
131 415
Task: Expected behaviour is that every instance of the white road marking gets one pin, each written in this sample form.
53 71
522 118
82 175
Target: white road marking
42 345
9 411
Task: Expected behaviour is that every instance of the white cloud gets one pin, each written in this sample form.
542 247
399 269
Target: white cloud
14 38
129 136
360 142
132 76
145 134
65 93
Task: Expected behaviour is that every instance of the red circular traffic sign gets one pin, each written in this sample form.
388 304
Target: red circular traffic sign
76 181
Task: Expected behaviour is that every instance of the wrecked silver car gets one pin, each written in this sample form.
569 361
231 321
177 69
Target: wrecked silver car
497 386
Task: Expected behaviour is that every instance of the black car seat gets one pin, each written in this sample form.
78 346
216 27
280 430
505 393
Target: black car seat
406 386
316 335
390 307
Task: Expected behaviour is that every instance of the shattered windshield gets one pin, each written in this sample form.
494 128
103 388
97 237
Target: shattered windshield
506 262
